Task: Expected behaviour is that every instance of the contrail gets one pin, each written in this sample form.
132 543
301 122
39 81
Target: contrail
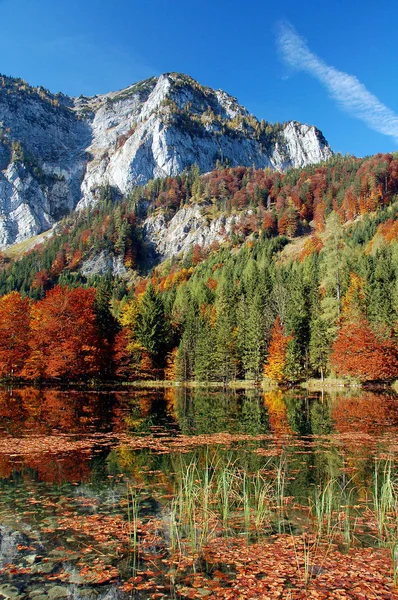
350 94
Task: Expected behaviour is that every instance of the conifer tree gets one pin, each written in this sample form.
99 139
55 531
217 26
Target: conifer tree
152 329
107 324
225 334
251 335
320 340
334 266
204 361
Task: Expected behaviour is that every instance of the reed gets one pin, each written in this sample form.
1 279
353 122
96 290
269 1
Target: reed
385 506
322 508
217 498
132 519
262 502
225 494
279 494
384 498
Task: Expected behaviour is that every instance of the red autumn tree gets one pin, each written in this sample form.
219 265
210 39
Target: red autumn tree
269 222
64 338
359 352
14 333
274 368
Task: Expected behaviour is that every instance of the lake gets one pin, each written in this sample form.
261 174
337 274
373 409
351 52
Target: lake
180 493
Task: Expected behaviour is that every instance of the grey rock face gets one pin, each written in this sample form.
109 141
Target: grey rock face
188 227
103 264
56 152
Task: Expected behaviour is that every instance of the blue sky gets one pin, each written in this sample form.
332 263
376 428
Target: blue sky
275 57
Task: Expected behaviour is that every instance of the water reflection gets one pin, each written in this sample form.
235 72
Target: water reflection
76 454
354 425
206 411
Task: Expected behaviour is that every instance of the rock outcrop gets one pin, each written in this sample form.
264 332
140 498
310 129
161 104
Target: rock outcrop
189 227
56 152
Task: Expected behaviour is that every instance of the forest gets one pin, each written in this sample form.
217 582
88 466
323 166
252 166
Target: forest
306 284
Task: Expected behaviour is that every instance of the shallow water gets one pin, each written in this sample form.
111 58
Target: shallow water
80 470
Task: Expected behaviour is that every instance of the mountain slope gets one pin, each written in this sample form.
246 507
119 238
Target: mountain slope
181 219
57 152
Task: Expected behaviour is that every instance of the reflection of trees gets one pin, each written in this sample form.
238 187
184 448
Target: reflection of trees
365 412
253 418
31 410
277 413
6 466
72 467
203 411
298 413
361 420
139 410
35 414
320 415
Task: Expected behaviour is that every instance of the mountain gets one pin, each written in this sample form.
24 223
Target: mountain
57 152
180 220
212 277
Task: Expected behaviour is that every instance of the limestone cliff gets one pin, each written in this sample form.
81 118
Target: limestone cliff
57 152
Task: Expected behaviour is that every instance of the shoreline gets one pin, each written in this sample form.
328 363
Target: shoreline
310 385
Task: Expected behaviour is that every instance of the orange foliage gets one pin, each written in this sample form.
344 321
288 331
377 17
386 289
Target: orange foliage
197 254
366 413
277 412
359 352
147 370
276 361
14 333
64 338
283 224
40 280
141 287
85 237
59 264
212 283
389 230
170 369
75 260
313 244
269 222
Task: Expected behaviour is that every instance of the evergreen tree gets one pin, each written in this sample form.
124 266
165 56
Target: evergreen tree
251 335
153 330
225 334
204 362
320 340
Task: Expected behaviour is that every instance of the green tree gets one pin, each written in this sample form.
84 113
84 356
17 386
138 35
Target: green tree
153 329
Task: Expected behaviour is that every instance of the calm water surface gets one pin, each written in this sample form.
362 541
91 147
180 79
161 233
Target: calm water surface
74 466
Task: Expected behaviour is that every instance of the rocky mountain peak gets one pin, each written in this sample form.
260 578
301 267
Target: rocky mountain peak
58 152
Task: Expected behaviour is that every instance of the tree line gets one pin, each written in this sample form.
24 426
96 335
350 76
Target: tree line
249 314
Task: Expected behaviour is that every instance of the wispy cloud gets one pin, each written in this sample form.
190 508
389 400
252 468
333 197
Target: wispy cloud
350 94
